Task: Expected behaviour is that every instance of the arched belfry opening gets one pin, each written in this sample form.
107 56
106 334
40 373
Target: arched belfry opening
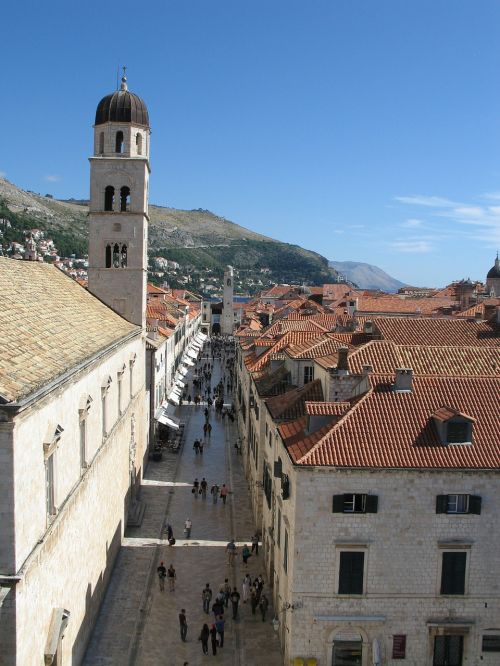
138 143
109 197
124 198
101 143
119 142
108 256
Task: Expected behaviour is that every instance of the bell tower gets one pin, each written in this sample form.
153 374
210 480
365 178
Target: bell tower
118 218
227 326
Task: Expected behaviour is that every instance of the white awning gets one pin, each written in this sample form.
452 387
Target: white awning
189 362
183 370
174 398
180 383
192 354
202 336
168 420
172 424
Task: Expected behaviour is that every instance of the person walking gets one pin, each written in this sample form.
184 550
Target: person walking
214 491
187 528
196 446
220 630
224 492
162 574
171 578
245 554
213 638
235 600
183 624
217 608
209 427
227 592
195 488
204 636
203 488
231 552
247 584
254 599
255 544
206 596
202 444
263 605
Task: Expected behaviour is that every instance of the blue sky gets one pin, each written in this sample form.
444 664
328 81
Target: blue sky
365 130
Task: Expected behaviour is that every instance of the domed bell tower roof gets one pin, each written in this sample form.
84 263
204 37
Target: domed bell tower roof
494 272
122 106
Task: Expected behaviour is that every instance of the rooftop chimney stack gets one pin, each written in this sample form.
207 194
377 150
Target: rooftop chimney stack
368 327
404 380
343 363
367 370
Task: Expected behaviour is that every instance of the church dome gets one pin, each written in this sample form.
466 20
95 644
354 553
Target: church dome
122 106
494 272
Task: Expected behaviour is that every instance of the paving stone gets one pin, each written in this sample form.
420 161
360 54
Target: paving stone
138 624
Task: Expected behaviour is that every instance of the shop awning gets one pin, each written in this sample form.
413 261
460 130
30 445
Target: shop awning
174 398
182 370
192 354
180 383
189 362
168 419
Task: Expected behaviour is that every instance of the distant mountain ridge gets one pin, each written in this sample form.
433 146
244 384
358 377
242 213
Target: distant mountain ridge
367 276
190 237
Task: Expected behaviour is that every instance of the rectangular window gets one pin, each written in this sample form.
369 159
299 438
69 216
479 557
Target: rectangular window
458 432
453 572
278 528
285 552
491 643
120 395
50 485
355 503
399 646
458 503
308 374
351 570
83 443
103 408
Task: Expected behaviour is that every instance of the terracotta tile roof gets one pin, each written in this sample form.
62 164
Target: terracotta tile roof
153 289
327 408
272 383
451 361
285 325
49 325
439 331
400 305
296 440
292 337
327 361
315 348
446 413
388 429
291 405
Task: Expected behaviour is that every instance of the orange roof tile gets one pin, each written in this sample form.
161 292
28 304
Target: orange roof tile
438 331
327 408
291 405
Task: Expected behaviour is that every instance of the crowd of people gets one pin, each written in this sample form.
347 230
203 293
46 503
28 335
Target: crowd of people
219 352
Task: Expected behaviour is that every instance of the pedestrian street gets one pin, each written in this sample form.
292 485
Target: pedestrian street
138 623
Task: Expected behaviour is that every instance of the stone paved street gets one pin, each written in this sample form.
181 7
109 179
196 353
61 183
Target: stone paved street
138 624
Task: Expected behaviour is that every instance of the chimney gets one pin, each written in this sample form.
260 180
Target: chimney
343 363
367 370
368 327
478 315
352 306
404 380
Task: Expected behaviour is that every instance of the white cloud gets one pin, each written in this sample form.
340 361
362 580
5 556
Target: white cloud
52 178
468 211
413 246
492 196
423 200
411 223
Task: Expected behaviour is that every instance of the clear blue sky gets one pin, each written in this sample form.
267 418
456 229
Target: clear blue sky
365 130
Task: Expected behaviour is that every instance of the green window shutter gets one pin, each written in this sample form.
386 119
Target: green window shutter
371 504
351 572
453 573
441 503
338 504
475 504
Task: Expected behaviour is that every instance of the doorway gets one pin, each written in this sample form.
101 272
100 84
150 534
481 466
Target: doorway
347 653
448 650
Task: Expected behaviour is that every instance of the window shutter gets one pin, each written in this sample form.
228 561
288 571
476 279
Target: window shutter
441 503
277 469
475 504
285 487
351 572
338 504
371 503
453 573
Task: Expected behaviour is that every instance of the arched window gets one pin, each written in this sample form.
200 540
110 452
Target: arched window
108 256
124 256
125 198
138 143
109 197
119 142
101 143
116 256
228 282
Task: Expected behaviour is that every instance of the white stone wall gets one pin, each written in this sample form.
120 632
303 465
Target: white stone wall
403 559
129 139
66 563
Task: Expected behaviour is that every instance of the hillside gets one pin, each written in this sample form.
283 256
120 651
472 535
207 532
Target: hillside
196 238
367 276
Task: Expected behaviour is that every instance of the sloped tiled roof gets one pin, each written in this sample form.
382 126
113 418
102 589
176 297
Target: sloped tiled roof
327 408
437 332
315 348
399 305
49 324
291 405
391 429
